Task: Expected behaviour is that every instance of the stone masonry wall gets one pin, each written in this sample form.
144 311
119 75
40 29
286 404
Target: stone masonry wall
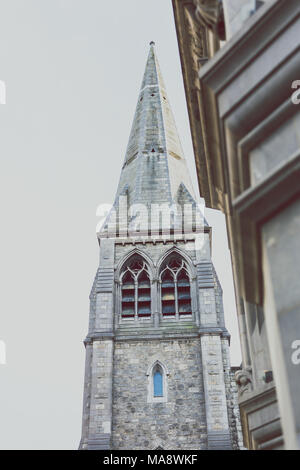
179 423
235 424
232 399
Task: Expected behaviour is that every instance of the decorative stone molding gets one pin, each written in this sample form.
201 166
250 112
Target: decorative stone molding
197 43
210 13
243 380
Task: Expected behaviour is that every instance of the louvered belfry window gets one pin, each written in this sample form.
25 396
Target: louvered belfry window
175 288
135 289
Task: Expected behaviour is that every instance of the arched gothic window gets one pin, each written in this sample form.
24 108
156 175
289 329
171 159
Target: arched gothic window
175 288
157 383
135 289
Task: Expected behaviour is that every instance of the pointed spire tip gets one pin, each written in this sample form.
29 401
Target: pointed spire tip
152 43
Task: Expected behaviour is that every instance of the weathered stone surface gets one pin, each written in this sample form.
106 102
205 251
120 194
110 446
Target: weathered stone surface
177 424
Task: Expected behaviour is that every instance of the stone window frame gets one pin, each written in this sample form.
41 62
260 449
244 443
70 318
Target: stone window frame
154 269
184 266
150 385
123 270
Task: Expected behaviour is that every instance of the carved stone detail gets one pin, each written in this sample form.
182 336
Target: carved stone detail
210 13
243 380
197 41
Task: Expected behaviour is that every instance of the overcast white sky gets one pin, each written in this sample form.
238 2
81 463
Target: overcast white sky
72 69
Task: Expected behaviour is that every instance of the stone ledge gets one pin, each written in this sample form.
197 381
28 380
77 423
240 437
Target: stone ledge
99 443
219 440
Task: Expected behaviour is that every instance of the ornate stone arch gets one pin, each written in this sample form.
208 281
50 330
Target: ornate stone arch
187 259
126 258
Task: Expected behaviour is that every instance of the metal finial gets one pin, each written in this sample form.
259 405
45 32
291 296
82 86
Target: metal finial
152 43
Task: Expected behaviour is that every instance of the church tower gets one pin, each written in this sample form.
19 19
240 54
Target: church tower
157 371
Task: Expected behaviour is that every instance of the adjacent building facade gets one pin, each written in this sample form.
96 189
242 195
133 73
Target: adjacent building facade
244 109
157 373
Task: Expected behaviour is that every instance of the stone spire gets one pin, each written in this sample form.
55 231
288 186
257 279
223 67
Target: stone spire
154 169
154 165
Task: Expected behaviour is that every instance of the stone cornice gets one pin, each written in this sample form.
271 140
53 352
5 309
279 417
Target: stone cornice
160 333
